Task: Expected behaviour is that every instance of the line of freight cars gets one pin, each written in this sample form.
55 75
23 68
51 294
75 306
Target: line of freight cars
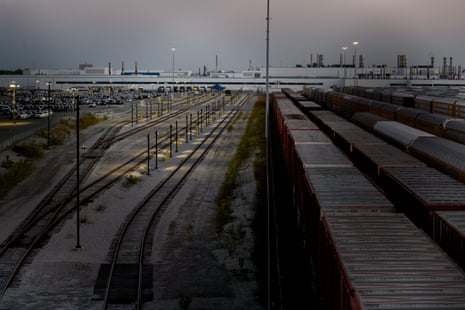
436 148
417 190
366 255
442 117
442 102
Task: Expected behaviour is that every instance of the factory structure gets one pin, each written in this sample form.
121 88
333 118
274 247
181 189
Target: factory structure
313 74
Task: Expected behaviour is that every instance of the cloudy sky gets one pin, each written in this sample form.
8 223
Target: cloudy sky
64 33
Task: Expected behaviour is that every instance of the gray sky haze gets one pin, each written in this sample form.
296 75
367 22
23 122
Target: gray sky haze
57 34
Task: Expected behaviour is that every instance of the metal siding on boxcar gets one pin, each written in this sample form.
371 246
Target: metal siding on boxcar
372 157
408 116
345 189
389 111
366 120
432 123
419 191
444 106
309 105
445 155
455 131
387 263
399 134
449 233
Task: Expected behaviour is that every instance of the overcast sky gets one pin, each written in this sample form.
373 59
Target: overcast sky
43 34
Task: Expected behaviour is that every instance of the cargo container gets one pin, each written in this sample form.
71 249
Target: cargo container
432 123
419 191
371 158
408 116
382 261
399 134
445 155
366 120
449 233
455 131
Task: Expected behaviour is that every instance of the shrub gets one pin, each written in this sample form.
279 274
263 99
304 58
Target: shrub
30 150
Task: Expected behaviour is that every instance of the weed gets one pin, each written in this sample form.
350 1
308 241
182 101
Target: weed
252 140
172 227
88 120
16 172
30 150
130 180
7 163
100 208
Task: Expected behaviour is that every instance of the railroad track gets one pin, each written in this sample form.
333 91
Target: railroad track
127 279
58 204
17 248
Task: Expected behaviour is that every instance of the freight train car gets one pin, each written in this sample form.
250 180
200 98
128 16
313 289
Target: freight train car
365 255
449 233
382 261
449 157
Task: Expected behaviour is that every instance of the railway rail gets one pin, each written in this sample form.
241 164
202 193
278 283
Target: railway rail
125 279
60 202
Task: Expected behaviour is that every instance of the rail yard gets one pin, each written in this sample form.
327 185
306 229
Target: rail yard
366 197
121 242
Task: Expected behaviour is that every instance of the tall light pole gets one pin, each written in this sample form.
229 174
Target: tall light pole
344 48
173 50
267 107
49 84
13 85
355 43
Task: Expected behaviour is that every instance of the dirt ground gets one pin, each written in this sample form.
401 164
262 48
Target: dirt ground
193 266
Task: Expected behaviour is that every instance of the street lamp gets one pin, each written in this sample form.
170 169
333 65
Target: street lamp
344 48
49 84
13 85
73 92
173 50
355 43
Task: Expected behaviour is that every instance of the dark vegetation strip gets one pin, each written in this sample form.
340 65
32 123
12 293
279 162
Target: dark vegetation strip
16 171
252 144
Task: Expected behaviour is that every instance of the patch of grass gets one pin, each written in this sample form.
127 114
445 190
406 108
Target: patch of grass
130 181
100 207
30 150
88 120
232 237
252 143
7 163
14 174
172 227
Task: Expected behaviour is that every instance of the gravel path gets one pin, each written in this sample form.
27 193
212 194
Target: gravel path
193 267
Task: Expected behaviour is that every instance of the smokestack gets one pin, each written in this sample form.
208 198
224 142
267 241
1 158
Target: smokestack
135 69
122 67
109 68
444 68
216 64
451 69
